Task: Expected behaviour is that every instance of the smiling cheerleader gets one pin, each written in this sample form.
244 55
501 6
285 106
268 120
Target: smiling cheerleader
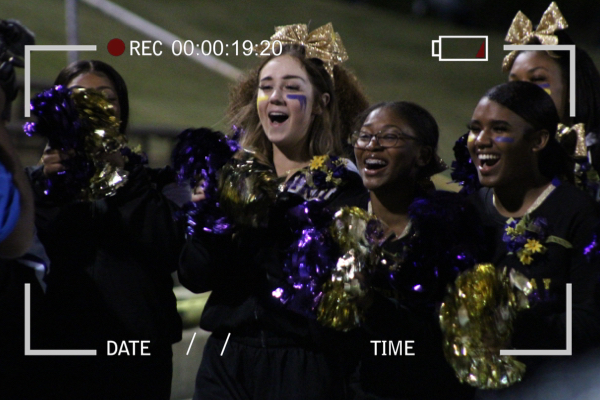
537 224
551 70
268 254
432 237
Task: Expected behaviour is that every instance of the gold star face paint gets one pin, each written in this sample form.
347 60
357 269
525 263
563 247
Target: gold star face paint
471 137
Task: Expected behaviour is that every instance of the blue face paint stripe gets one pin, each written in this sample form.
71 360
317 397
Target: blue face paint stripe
300 97
504 139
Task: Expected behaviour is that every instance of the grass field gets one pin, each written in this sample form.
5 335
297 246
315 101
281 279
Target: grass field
390 53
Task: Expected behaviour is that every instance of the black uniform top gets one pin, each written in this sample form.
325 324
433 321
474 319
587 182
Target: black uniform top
243 269
570 215
442 242
111 263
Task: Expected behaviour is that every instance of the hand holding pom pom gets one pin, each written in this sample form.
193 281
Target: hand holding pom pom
83 158
52 160
198 193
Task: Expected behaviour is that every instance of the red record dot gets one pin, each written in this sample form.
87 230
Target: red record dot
116 47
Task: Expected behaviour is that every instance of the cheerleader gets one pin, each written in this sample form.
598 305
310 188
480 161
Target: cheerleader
292 110
112 257
433 237
536 223
551 71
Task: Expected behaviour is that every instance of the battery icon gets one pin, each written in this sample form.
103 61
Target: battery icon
460 48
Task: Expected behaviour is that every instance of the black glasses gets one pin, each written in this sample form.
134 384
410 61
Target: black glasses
384 139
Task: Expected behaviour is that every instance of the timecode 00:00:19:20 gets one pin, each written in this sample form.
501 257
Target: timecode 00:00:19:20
217 48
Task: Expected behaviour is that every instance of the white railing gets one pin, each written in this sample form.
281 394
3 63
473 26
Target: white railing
155 32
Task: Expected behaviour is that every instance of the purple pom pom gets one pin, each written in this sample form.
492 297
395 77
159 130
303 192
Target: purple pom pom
60 123
463 169
198 157
445 239
310 259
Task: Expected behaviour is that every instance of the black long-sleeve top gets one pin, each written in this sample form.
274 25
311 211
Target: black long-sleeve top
243 269
443 241
571 215
111 263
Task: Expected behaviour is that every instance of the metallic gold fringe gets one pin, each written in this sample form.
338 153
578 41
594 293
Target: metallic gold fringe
98 116
246 192
477 320
338 309
358 234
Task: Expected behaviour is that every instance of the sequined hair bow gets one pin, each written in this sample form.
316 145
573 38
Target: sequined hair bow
322 43
521 31
565 131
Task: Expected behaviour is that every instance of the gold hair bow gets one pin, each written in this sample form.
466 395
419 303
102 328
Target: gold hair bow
521 31
322 43
564 131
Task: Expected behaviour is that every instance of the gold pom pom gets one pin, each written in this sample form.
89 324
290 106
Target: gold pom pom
477 320
359 235
103 138
338 308
246 191
100 118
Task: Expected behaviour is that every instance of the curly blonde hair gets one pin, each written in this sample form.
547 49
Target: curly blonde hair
329 129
